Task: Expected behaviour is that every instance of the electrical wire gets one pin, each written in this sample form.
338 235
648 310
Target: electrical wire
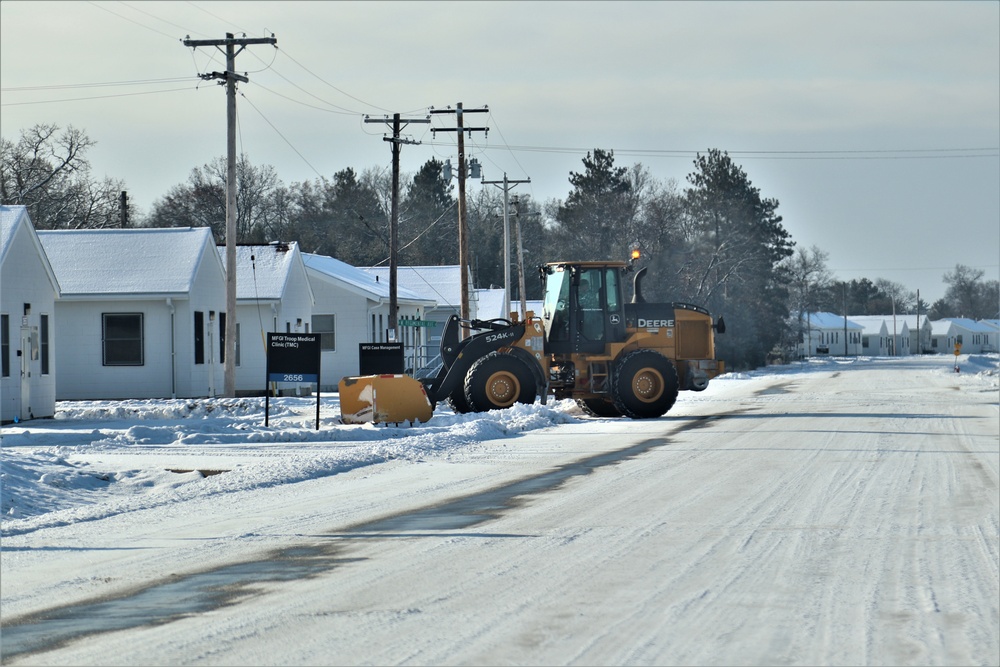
342 92
125 18
278 132
95 97
101 84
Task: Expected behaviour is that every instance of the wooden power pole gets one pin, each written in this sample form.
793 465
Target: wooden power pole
463 233
507 185
230 77
396 141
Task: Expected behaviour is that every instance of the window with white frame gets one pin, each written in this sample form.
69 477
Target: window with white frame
122 339
326 327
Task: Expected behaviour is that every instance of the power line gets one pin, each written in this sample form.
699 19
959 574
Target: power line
337 110
101 84
321 79
125 18
278 132
95 97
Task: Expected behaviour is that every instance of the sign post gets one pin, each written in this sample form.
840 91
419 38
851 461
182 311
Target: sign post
292 357
958 351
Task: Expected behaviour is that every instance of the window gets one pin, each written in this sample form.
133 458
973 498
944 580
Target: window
122 339
237 344
222 338
326 327
44 333
199 337
5 343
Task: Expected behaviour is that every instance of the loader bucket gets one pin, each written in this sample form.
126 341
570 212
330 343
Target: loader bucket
383 399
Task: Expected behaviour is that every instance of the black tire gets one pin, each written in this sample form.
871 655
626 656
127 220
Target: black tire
458 403
497 381
644 385
598 407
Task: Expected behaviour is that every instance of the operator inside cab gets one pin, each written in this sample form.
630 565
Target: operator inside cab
589 300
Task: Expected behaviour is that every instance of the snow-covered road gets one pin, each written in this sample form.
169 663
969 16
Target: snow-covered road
827 513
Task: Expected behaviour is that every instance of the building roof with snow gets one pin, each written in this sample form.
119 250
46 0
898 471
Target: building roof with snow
126 262
263 270
968 324
942 327
911 320
361 281
873 324
823 320
11 219
440 283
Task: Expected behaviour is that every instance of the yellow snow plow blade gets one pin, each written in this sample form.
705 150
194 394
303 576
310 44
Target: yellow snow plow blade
383 399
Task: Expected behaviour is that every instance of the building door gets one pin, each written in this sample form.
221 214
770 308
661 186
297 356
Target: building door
26 353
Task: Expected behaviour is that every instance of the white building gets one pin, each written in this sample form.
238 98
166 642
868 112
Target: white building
273 295
140 313
919 330
28 293
352 307
441 284
974 337
490 306
944 335
827 334
884 335
994 337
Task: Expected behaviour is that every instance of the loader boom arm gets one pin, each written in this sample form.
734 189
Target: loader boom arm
457 356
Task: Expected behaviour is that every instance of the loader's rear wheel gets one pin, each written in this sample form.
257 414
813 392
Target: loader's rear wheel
598 407
497 381
644 384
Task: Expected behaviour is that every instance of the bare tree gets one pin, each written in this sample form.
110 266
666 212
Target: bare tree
47 171
262 202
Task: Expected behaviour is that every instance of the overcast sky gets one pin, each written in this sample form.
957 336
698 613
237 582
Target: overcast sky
875 125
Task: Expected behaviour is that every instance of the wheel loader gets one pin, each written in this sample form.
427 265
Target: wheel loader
614 358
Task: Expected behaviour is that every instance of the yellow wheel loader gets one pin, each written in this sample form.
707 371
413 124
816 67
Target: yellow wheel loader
613 358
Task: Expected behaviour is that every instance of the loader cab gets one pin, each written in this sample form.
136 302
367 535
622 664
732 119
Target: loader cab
583 306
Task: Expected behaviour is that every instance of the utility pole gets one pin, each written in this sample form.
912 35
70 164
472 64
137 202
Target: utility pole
230 77
507 185
844 289
463 240
123 209
520 257
396 142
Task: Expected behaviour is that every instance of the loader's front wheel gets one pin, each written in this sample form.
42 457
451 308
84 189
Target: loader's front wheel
644 385
458 403
497 381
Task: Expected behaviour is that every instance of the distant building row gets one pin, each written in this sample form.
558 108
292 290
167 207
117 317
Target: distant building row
141 313
893 335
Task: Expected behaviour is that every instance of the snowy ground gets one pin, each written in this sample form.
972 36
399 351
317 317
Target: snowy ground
109 497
